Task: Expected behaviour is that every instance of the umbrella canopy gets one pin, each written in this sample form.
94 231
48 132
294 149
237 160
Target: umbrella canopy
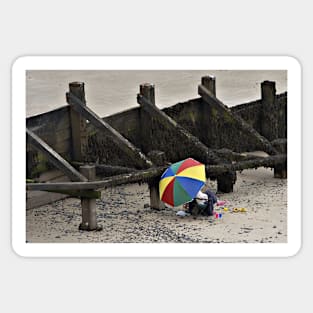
181 182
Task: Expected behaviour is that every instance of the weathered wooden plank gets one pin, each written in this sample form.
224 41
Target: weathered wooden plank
110 170
127 123
54 129
50 128
145 175
193 141
63 147
53 136
78 123
54 157
208 97
58 120
90 194
114 135
53 175
52 133
271 161
234 156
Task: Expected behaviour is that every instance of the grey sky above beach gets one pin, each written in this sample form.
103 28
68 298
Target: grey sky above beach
109 92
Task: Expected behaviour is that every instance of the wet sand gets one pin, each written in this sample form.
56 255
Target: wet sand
125 215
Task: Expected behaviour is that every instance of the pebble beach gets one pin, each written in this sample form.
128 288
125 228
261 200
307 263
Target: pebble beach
126 217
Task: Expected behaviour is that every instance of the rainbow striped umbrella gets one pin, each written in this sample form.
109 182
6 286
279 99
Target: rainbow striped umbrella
181 182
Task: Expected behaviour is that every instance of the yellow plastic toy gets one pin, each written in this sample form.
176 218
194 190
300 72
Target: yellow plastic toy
236 210
225 209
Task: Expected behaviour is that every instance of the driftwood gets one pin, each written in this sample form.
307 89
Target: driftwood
155 172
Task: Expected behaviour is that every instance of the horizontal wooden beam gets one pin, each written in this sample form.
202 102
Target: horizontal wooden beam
235 156
146 175
109 170
135 154
208 97
270 161
54 157
90 194
140 176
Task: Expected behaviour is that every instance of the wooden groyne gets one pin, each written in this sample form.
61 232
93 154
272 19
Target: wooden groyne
69 147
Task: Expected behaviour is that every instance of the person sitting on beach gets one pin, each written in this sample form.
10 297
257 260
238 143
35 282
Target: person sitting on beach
204 203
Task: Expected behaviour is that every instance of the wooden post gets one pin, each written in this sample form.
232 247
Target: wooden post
78 124
155 202
89 212
209 83
147 90
280 171
269 121
226 181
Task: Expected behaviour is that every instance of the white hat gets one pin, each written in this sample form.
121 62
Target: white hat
201 197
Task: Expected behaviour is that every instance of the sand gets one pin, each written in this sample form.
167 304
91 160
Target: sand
125 216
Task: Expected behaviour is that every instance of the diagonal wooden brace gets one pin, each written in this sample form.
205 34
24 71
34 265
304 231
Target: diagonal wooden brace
134 153
54 157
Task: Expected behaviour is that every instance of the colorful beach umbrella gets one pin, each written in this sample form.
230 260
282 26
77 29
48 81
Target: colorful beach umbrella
181 182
